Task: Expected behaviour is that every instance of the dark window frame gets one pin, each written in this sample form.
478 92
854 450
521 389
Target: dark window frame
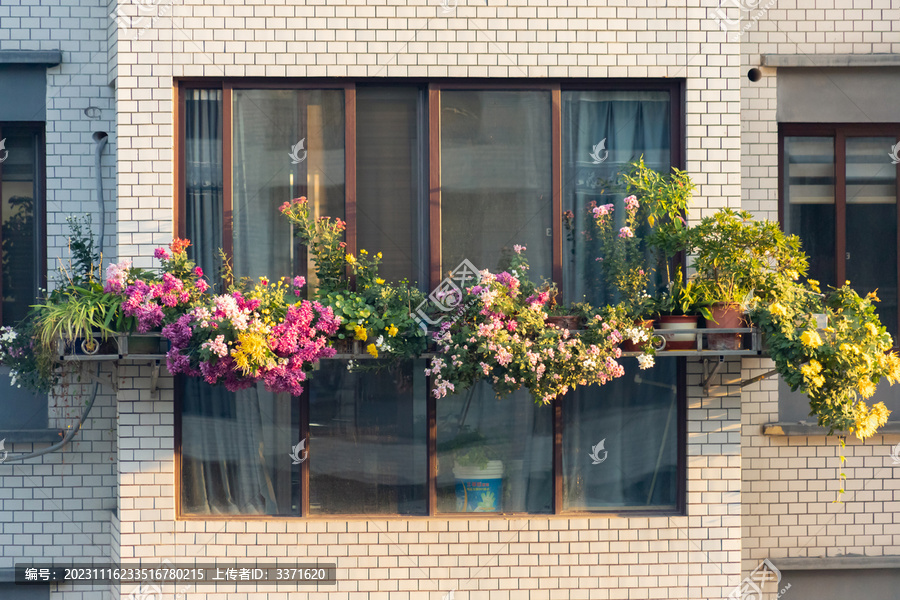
839 133
676 89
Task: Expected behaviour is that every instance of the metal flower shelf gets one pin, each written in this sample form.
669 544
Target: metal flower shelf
130 346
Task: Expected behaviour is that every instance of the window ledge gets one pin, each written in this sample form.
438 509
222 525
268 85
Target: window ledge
830 60
810 428
15 436
824 563
47 58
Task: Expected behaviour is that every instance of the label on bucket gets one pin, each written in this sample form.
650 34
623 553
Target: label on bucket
478 495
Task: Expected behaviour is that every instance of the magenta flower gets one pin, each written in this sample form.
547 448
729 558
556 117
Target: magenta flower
161 254
626 232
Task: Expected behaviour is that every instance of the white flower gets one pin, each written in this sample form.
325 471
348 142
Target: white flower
645 361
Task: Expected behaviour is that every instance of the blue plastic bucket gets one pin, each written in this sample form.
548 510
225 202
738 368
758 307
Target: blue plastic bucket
479 490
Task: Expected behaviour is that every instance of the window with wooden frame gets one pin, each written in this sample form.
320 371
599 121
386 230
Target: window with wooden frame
429 174
839 193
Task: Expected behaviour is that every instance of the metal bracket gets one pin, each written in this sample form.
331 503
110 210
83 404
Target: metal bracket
101 379
708 375
747 382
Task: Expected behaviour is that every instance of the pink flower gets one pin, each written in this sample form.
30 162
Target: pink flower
161 254
631 204
604 210
626 232
518 249
198 272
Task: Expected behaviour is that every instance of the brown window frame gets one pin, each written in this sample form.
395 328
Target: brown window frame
839 132
676 89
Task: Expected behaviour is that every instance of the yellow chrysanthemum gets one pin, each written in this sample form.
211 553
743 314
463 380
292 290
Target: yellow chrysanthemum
811 369
813 284
870 327
371 349
867 422
811 339
817 381
866 387
360 333
778 310
251 349
379 281
870 296
392 331
351 259
893 366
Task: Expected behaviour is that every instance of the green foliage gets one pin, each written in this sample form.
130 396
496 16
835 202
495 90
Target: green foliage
737 257
682 297
85 257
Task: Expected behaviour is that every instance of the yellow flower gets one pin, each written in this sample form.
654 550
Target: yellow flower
893 365
363 251
378 255
350 259
379 281
867 422
811 369
817 381
870 327
360 333
778 310
866 387
870 296
848 349
371 349
392 331
811 339
813 284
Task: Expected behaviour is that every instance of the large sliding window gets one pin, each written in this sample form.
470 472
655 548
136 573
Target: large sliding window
839 194
429 175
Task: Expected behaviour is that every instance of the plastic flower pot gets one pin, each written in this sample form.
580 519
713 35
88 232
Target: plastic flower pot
679 341
477 489
725 316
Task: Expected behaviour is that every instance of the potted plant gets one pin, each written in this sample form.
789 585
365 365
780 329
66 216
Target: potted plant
477 470
739 259
680 306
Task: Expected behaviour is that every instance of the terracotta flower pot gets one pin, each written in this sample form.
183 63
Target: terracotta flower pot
679 341
725 316
570 322
628 345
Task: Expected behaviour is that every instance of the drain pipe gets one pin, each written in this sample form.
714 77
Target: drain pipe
100 140
69 434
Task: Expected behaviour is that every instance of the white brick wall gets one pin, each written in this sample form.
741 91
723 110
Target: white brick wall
60 505
789 484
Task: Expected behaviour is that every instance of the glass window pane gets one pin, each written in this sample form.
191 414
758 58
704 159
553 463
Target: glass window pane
494 455
390 167
368 440
203 178
496 178
872 223
809 201
631 426
20 233
602 134
235 451
287 143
